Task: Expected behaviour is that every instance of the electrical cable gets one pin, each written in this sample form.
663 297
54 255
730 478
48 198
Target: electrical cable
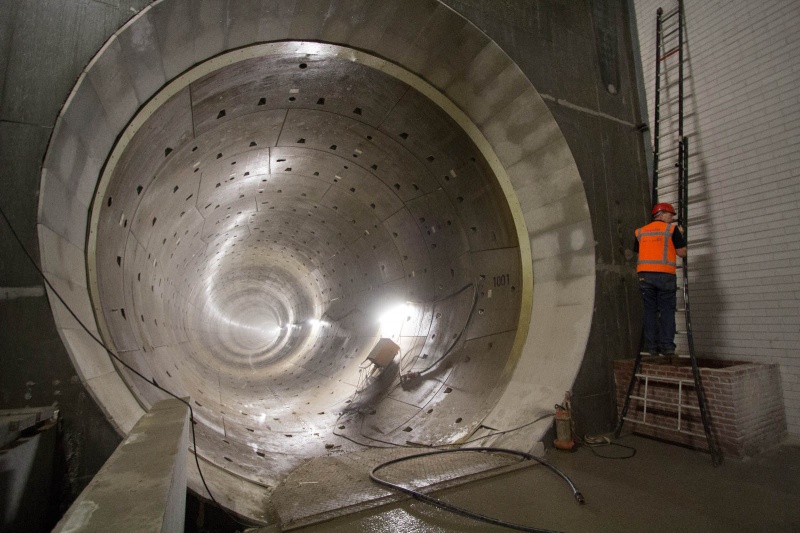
442 299
599 442
460 510
460 333
546 415
120 361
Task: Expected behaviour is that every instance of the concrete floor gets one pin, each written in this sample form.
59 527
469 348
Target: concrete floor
663 488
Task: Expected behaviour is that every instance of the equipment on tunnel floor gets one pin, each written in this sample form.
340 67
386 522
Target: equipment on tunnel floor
383 353
565 438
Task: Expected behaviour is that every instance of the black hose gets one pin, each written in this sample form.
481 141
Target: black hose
464 512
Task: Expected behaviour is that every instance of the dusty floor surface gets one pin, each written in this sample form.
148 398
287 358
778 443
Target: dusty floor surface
662 488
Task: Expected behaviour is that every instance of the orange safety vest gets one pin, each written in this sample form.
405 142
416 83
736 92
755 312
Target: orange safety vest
656 251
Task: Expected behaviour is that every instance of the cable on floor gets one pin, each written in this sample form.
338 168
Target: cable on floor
594 442
460 510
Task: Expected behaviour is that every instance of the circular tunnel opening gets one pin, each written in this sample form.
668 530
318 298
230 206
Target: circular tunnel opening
244 211
266 219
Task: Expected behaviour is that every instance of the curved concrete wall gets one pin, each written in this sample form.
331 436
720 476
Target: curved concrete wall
486 93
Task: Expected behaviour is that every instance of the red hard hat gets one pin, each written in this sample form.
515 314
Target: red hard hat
662 207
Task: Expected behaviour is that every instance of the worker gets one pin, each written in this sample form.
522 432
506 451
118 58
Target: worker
658 245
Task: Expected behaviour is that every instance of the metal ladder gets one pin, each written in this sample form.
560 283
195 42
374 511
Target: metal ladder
670 183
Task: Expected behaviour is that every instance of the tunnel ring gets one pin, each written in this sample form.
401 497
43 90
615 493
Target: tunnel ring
498 102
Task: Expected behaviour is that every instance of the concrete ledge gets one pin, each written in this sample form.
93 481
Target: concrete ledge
142 487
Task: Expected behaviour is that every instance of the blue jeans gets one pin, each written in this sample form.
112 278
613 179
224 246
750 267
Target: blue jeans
658 296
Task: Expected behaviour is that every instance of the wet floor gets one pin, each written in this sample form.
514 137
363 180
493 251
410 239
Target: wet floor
662 488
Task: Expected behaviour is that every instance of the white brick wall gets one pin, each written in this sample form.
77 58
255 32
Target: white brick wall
742 111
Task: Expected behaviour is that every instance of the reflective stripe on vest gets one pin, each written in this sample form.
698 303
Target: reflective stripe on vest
656 251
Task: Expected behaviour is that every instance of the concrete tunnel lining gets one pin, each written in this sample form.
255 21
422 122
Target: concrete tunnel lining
487 97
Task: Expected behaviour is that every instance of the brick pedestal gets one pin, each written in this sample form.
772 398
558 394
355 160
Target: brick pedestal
744 403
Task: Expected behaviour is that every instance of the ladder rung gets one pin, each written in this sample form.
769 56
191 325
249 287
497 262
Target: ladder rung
670 14
668 54
665 35
663 379
635 421
666 172
667 151
668 404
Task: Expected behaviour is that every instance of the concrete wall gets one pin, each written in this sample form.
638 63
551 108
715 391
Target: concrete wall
576 54
573 53
44 45
743 123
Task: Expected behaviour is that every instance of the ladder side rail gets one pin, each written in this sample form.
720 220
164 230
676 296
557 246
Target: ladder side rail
657 111
626 405
680 69
716 456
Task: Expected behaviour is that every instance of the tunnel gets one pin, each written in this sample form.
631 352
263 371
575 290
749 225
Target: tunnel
244 206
